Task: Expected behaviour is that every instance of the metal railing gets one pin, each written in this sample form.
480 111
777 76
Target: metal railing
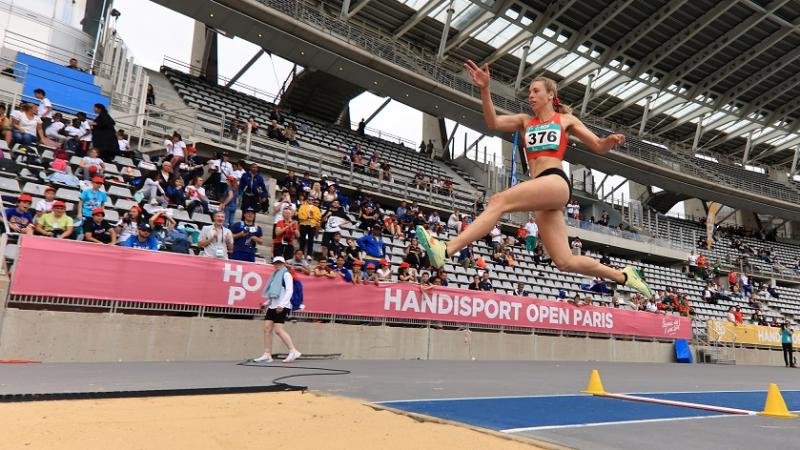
174 63
405 55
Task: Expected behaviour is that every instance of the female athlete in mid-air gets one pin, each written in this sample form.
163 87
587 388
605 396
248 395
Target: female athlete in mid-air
546 138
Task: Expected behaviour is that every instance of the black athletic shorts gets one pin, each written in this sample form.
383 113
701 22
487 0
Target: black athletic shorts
277 317
560 173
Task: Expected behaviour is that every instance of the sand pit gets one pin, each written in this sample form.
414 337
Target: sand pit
288 420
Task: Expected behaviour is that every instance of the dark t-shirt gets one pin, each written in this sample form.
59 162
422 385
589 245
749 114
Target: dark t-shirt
486 286
100 231
244 245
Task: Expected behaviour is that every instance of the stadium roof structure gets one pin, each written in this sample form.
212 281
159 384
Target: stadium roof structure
734 64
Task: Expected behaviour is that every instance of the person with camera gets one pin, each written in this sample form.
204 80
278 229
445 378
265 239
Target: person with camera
246 236
786 343
216 240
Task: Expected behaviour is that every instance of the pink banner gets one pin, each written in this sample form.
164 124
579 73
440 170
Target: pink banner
48 267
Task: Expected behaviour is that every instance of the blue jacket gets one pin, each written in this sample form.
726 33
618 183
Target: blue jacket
251 185
374 247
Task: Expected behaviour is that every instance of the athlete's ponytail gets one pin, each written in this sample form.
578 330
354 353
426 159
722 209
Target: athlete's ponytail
552 88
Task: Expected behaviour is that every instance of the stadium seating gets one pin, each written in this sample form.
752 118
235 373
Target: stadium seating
71 91
405 162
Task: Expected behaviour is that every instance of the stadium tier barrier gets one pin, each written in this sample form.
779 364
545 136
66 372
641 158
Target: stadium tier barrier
130 275
747 334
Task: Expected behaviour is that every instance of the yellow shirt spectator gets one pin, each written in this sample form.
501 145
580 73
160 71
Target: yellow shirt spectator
309 215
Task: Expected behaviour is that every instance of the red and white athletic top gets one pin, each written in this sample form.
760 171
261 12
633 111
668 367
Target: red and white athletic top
545 138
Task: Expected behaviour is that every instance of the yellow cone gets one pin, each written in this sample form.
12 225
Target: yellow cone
595 386
775 406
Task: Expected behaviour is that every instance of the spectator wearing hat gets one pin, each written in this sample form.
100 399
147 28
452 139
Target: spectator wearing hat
19 219
252 189
371 275
55 223
98 230
162 224
404 273
309 217
92 198
323 269
128 224
286 231
385 271
246 236
357 271
142 239
216 240
46 204
91 165
298 262
278 305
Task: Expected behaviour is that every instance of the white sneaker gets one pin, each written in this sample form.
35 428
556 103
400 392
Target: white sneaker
292 356
264 358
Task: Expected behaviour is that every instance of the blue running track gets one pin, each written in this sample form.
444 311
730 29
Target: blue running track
504 413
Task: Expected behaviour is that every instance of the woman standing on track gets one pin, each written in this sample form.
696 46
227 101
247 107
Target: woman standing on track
546 138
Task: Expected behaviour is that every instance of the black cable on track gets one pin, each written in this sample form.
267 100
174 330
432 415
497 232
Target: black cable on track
276 386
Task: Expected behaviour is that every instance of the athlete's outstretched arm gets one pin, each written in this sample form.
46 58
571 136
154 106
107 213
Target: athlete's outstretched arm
596 144
508 123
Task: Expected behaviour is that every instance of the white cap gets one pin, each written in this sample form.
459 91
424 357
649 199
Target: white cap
278 259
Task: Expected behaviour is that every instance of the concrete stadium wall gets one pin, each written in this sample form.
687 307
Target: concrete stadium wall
89 337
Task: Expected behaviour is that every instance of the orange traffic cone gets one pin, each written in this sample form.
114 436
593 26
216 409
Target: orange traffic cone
595 386
775 406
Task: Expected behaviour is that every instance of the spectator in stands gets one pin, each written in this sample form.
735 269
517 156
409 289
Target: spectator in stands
252 189
26 127
352 252
196 196
414 254
373 246
142 239
332 221
603 219
5 127
573 209
91 166
98 230
92 198
342 271
179 239
55 223
391 226
86 133
329 196
286 231
151 191
404 274
290 136
128 225
175 193
532 232
577 246
123 144
466 258
225 171
165 175
702 266
309 217
229 200
385 271
150 98
368 217
55 129
429 148
370 275
277 116
247 235
216 240
46 204
73 64
362 126
323 269
475 285
598 285
275 132
486 283
299 263
336 247
692 264
162 225
520 291
104 136
238 170
73 133
45 107
178 149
